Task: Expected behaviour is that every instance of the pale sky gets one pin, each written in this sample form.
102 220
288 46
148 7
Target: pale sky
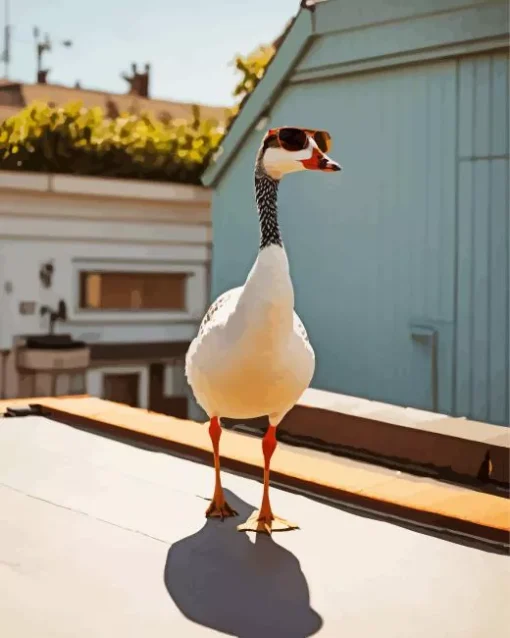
189 43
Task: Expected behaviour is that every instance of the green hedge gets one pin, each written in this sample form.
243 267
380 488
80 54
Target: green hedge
83 141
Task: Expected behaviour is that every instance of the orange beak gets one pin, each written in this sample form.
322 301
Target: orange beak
320 162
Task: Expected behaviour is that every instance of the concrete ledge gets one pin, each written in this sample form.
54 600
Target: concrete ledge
446 446
467 512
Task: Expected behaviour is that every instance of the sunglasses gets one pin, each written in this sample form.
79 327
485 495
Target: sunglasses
297 139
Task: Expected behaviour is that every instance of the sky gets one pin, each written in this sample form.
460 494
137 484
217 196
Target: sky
190 44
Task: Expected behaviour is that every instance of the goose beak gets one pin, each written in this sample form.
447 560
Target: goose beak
320 162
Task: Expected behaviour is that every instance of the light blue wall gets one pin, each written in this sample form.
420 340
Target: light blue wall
371 249
412 238
482 347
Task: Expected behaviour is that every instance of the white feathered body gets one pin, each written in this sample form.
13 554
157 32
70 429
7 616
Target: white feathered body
252 356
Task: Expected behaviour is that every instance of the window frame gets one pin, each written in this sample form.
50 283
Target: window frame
83 274
193 292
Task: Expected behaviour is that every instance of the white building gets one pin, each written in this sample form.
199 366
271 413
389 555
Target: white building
129 259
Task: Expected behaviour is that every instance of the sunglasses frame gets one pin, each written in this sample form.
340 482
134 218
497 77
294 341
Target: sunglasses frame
308 132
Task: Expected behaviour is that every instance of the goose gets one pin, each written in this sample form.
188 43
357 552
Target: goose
252 356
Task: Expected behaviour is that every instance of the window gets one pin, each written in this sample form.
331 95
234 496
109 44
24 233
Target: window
100 290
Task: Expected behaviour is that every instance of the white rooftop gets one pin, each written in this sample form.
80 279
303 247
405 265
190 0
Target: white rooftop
101 539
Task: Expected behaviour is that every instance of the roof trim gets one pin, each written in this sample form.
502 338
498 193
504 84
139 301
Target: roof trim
265 94
104 187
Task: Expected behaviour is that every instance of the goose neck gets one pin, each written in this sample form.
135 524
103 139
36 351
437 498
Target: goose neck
266 195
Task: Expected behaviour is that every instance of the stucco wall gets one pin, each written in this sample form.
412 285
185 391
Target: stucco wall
77 232
80 224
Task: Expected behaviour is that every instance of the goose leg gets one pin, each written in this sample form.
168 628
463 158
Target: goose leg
264 520
219 508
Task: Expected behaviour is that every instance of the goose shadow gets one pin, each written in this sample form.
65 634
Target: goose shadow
220 579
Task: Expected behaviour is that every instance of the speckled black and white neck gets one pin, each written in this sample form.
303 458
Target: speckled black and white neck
266 194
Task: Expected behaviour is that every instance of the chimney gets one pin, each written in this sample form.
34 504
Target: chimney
42 76
138 82
145 77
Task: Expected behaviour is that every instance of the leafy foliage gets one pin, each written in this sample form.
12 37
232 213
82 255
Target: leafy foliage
252 67
77 140
84 141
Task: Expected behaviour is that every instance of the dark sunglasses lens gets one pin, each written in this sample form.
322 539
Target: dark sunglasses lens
292 139
323 141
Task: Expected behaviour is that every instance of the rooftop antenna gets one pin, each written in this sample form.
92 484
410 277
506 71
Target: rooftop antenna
6 54
41 47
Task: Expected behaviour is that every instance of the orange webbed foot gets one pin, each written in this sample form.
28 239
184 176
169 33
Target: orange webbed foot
220 509
266 524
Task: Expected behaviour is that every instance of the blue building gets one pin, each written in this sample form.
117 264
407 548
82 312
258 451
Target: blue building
401 262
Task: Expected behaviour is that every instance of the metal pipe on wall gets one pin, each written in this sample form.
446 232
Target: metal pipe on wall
3 378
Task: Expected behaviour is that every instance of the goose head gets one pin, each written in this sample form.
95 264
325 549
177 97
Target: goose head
291 149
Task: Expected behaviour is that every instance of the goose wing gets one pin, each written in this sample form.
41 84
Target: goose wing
219 310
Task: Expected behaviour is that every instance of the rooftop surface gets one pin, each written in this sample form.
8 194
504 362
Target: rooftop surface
26 93
434 503
102 538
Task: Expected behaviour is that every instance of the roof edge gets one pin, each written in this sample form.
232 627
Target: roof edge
263 96
105 187
480 516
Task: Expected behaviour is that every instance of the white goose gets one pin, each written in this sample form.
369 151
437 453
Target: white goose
252 356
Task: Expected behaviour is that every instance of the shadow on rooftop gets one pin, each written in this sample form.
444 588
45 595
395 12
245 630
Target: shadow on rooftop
219 578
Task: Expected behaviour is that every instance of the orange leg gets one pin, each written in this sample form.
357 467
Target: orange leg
219 506
264 520
268 448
